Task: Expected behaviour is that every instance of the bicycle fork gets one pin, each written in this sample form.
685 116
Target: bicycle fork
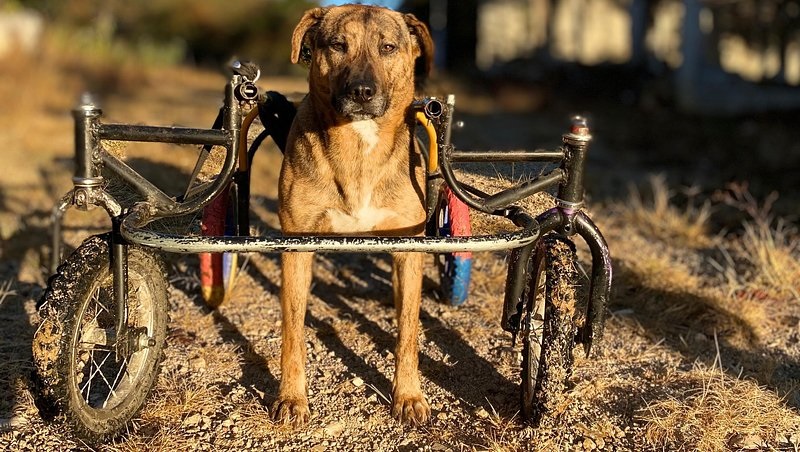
568 219
87 192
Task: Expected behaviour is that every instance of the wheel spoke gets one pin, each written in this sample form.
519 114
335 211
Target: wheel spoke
92 374
123 369
92 346
110 388
96 299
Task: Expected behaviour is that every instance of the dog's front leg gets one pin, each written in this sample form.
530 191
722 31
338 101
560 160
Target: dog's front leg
292 403
409 404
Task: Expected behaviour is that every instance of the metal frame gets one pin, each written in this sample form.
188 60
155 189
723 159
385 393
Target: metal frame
130 225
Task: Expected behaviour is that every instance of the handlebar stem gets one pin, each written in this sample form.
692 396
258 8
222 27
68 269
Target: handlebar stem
87 173
576 146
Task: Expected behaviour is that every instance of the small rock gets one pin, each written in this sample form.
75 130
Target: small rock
750 442
198 364
442 416
357 382
439 446
482 413
13 422
334 429
700 337
589 444
193 420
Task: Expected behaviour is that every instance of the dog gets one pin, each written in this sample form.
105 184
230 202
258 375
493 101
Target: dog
351 168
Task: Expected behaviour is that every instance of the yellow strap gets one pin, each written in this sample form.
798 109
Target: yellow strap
433 148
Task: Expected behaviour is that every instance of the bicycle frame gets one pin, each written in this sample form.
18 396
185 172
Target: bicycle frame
130 225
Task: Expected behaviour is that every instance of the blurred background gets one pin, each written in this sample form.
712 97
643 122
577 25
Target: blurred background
702 91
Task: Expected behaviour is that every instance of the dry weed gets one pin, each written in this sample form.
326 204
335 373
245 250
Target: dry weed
715 412
660 218
762 262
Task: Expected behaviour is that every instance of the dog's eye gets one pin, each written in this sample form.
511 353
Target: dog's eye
388 48
338 46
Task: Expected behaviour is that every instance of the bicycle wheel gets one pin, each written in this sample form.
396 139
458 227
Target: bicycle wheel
218 270
548 328
78 370
452 220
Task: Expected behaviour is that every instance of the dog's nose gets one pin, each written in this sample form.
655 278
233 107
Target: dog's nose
362 91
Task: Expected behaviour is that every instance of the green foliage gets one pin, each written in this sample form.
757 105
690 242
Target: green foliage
209 31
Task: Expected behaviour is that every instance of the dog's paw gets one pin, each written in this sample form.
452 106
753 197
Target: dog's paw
291 411
411 409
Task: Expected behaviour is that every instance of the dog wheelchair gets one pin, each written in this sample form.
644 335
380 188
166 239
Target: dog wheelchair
103 325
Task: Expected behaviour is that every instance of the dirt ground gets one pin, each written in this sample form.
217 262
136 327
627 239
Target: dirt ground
701 350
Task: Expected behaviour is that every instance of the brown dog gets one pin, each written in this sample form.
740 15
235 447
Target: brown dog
351 168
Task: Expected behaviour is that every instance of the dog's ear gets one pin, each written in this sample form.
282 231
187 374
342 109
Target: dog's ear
301 50
424 42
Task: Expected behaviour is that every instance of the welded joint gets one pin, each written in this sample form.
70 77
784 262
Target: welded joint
568 210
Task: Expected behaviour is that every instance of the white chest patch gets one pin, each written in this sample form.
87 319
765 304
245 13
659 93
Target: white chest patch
367 132
366 218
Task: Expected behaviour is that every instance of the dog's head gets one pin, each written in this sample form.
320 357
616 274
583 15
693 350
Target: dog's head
362 59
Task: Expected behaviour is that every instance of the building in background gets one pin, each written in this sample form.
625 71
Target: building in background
723 56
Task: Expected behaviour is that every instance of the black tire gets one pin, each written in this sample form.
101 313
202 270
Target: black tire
548 329
78 373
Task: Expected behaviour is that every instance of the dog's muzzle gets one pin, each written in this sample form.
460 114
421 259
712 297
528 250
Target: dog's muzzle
359 100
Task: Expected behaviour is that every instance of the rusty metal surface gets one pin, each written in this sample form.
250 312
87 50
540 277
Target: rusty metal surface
196 244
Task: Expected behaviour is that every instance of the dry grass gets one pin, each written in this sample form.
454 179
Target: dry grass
774 256
660 218
714 412
668 294
762 262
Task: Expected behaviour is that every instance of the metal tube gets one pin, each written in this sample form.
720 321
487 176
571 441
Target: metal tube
503 198
447 172
451 108
577 145
119 265
86 119
136 180
231 121
159 134
518 268
516 279
433 108
550 220
507 197
506 156
600 288
56 239
132 232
